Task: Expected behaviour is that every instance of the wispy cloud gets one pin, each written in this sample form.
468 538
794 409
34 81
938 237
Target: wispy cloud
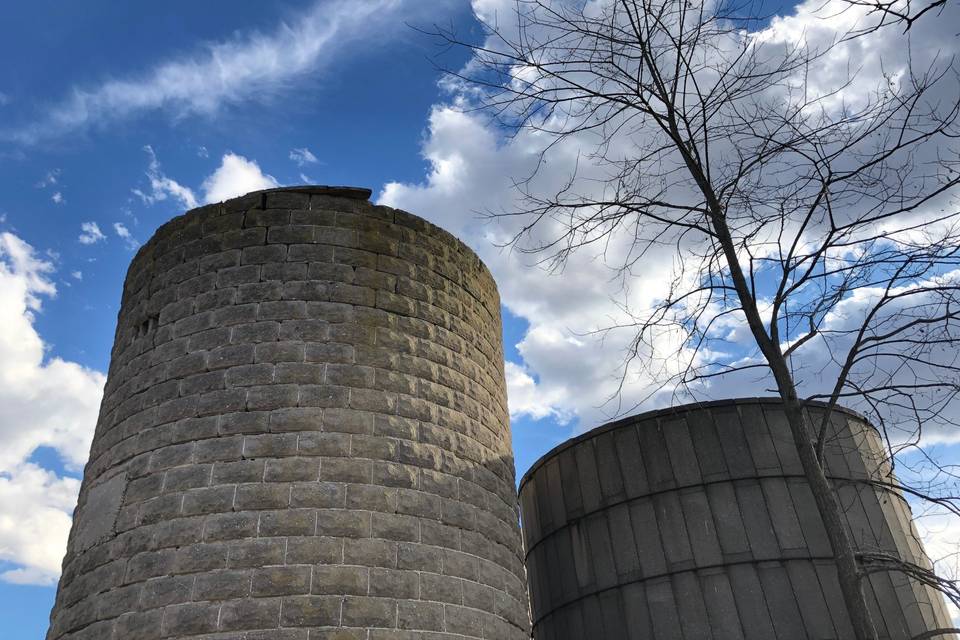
58 198
162 187
229 71
52 177
302 156
124 234
235 176
90 233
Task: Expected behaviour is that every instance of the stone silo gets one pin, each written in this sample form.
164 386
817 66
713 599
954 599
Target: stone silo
304 434
696 522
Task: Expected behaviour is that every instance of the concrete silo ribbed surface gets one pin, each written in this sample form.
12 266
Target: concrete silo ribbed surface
304 434
696 522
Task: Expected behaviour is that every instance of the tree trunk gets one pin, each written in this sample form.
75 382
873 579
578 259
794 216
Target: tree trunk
847 568
848 571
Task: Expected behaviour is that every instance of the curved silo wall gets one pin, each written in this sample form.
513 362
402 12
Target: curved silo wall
304 433
696 522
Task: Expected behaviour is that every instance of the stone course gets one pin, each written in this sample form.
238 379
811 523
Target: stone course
303 436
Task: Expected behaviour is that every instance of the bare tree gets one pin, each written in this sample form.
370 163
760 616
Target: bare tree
896 12
785 197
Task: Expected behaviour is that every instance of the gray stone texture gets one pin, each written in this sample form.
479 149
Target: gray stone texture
696 522
303 436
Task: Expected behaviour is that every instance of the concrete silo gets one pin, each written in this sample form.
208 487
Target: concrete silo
696 522
304 434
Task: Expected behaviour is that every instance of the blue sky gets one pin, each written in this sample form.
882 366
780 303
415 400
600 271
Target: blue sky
359 107
115 117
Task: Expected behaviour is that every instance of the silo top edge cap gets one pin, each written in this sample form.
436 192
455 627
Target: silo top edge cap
354 193
671 411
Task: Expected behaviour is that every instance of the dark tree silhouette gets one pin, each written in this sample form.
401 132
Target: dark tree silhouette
785 196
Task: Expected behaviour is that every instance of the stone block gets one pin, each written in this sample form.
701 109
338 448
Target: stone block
200 557
420 557
345 470
239 471
222 585
316 550
272 396
395 527
190 477
462 620
256 552
190 619
230 526
312 443
369 612
370 552
441 588
208 500
139 625
262 496
166 590
288 522
325 396
252 613
340 580
311 611
96 520
280 581
423 616
292 469
296 419
270 445
371 497
393 583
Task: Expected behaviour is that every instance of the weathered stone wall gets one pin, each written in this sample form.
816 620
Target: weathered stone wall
697 522
304 434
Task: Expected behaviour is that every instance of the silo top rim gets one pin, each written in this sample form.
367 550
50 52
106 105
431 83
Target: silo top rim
668 411
353 200
354 193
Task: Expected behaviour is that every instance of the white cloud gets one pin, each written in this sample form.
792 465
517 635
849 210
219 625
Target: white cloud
43 402
235 176
302 156
526 400
202 152
472 168
58 198
35 507
249 66
52 177
470 175
939 531
76 275
162 187
90 233
124 234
